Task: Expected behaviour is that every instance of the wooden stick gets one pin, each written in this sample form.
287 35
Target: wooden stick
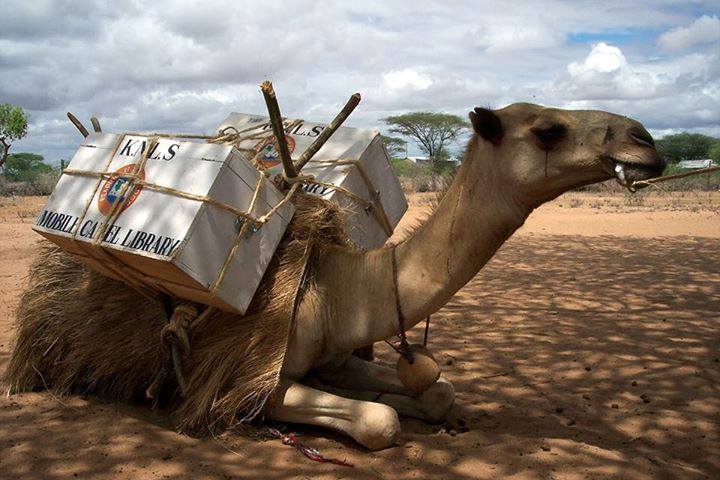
171 135
328 131
645 183
78 125
278 130
96 124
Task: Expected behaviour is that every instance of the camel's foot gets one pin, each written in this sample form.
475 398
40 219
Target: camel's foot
368 381
435 402
373 425
360 399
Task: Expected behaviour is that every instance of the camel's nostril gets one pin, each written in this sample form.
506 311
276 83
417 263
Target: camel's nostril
642 137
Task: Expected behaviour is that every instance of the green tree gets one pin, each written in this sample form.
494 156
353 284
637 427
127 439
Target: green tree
396 147
433 132
714 152
13 126
25 167
684 146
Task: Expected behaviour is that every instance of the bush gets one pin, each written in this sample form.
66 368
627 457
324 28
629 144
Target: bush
42 185
406 168
423 178
27 174
25 167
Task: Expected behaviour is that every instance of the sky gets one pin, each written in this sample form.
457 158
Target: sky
182 66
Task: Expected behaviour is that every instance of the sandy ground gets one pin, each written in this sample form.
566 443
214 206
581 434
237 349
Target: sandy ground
587 348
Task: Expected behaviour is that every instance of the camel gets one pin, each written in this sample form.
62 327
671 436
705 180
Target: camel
518 157
291 359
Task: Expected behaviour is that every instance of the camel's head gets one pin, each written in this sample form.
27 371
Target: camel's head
542 152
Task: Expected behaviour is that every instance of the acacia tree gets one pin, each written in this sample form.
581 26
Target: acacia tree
13 126
395 146
432 131
25 167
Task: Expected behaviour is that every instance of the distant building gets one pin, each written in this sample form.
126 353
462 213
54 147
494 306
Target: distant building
696 164
418 160
454 160
426 160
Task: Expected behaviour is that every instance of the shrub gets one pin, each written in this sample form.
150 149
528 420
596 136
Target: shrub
25 167
423 177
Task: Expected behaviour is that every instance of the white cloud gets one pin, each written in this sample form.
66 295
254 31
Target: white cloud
602 58
499 37
606 74
704 30
182 65
407 78
680 93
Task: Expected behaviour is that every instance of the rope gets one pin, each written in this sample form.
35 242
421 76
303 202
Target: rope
175 340
237 137
176 331
376 207
88 202
115 265
291 439
645 183
404 348
127 189
139 181
230 136
174 336
238 239
135 179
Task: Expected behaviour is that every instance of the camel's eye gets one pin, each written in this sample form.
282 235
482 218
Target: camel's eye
549 135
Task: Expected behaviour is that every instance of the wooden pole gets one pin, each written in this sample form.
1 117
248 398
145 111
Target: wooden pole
96 124
328 131
78 125
278 130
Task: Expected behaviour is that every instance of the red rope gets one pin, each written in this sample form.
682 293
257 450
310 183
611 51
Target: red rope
291 440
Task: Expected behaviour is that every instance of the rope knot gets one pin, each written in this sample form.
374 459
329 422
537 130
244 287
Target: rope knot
299 179
175 332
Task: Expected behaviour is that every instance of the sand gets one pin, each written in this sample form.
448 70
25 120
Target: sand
587 348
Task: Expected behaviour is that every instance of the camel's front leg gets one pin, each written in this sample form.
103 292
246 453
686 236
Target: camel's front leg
364 380
373 425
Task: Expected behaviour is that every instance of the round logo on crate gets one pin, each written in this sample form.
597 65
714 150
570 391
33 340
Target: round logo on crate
113 187
268 154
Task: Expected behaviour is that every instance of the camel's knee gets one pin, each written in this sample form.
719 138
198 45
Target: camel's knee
377 426
438 400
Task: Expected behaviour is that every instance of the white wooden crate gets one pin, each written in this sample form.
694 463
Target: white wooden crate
338 162
167 242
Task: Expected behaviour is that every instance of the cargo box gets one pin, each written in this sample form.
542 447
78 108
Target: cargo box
180 232
352 169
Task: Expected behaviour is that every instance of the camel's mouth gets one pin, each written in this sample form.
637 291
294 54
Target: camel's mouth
628 172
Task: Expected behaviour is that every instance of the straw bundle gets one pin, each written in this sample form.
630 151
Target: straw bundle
78 331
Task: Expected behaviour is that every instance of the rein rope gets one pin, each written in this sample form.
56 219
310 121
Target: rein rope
651 181
404 347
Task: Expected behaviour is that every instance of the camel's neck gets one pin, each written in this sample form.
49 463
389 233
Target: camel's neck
475 217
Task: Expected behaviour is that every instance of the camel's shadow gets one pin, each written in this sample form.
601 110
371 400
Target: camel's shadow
608 365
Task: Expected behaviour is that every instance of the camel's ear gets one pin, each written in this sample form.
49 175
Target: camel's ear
487 125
